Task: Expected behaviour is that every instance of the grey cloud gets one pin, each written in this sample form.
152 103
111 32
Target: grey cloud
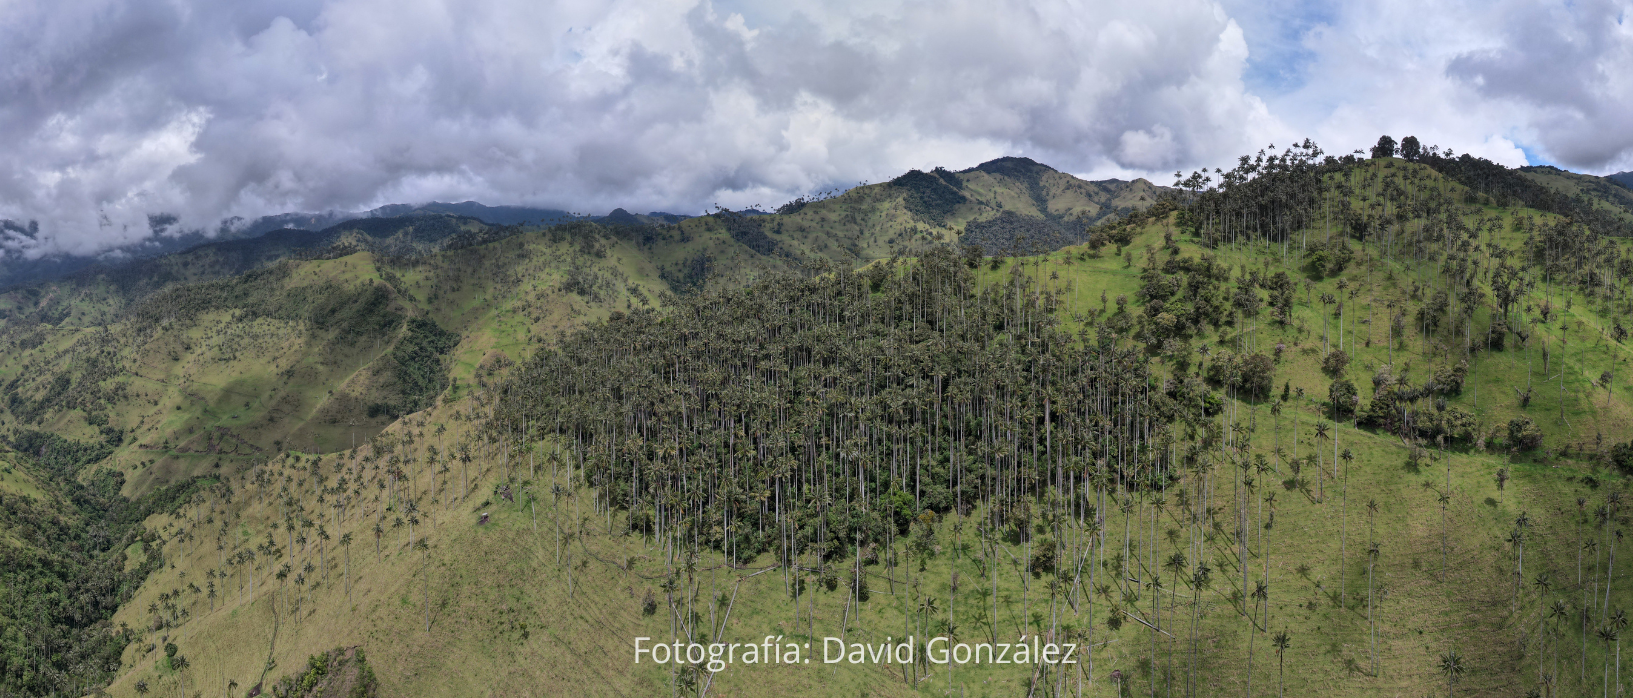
1573 66
122 109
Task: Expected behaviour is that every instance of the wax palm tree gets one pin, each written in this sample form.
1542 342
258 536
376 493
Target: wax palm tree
1557 611
1175 564
1320 437
346 542
1326 300
1261 595
1618 620
1300 393
1542 585
323 549
1451 664
1445 499
1608 634
1343 530
179 663
1372 561
1281 641
1517 538
425 554
1275 412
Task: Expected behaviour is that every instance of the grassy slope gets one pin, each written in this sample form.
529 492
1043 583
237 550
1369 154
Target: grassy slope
486 582
1618 198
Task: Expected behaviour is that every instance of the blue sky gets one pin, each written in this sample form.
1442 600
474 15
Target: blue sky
114 110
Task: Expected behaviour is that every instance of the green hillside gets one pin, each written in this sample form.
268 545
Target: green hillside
1154 442
1601 192
232 351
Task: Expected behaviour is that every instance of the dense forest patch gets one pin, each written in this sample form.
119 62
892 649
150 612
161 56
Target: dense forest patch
930 197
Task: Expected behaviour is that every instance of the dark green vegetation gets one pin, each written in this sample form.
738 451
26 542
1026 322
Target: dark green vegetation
343 672
419 367
931 197
66 564
875 389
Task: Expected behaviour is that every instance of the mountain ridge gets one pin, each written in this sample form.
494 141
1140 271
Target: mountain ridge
15 272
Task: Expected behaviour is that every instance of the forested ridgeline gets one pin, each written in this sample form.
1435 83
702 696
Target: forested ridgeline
1475 273
1283 198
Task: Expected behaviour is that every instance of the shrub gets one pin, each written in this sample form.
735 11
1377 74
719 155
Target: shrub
1043 557
1225 370
1343 395
1524 434
1621 456
1449 380
1498 333
1258 376
1334 363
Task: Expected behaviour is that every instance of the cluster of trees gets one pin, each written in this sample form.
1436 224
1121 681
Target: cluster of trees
65 572
1012 233
1506 187
836 417
1267 198
820 403
931 196
418 367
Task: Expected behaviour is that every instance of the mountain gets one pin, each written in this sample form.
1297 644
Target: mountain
497 215
365 279
1037 191
1601 195
847 419
167 240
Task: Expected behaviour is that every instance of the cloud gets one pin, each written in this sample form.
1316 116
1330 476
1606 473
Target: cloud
115 110
1570 70
121 109
1495 79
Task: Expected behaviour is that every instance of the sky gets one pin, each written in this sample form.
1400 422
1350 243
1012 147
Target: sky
112 111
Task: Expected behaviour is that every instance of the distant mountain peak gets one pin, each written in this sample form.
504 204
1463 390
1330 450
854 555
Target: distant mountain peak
1014 166
621 217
